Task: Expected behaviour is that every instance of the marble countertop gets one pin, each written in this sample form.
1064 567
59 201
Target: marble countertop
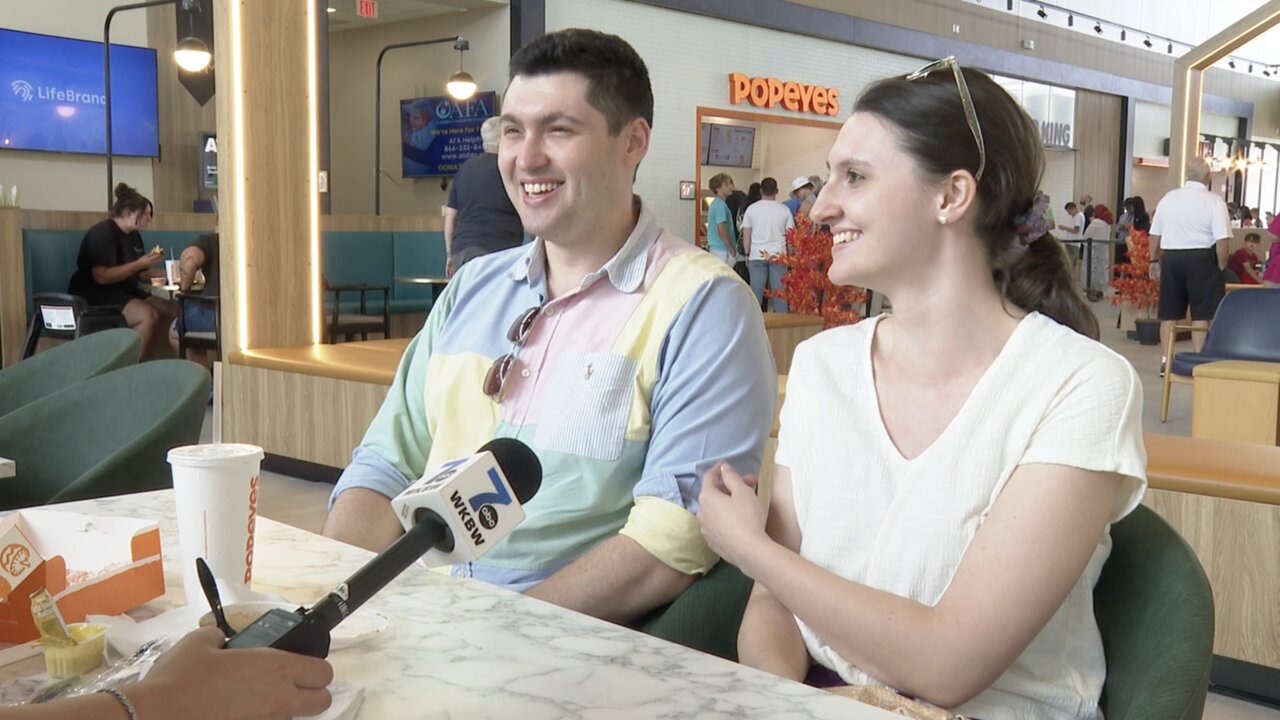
464 649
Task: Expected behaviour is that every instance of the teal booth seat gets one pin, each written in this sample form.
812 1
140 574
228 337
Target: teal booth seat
347 257
65 365
108 435
377 258
49 256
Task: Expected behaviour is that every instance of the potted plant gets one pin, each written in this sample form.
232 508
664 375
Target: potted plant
805 285
1134 286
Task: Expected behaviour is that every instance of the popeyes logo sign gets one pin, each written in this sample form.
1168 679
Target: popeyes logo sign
794 96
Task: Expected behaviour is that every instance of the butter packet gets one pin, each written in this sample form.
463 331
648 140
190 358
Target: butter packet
53 630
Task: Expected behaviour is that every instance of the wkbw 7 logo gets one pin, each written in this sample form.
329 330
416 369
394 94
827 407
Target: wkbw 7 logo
483 503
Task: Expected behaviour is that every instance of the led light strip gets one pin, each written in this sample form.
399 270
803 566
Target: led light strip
237 103
313 155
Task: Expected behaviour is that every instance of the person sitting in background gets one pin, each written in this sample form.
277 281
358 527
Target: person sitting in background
628 360
947 474
200 256
198 679
479 217
1244 262
111 263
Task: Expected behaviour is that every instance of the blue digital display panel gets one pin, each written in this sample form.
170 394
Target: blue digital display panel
52 96
438 134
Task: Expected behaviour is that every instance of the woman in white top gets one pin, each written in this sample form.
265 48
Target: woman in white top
947 474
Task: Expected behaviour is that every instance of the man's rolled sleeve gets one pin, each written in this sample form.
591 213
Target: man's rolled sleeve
713 400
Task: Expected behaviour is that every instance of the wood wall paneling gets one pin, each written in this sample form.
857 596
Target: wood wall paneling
1099 138
13 307
264 407
1238 544
176 173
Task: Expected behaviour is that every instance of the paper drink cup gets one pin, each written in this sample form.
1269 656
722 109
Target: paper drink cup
171 275
215 494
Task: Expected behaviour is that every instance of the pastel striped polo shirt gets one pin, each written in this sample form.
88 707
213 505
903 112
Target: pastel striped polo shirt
628 389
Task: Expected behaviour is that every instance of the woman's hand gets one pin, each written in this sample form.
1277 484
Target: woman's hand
198 679
731 515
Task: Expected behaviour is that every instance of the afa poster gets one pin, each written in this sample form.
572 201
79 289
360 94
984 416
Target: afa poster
438 134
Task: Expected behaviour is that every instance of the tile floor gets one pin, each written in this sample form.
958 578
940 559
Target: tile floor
302 503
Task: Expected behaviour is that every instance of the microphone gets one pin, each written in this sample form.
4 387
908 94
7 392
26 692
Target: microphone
454 513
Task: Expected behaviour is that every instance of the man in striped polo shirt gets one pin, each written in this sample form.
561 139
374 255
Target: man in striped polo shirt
630 361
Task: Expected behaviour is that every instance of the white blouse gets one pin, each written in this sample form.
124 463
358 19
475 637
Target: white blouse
902 526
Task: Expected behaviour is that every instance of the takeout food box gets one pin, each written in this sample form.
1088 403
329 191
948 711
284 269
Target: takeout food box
88 563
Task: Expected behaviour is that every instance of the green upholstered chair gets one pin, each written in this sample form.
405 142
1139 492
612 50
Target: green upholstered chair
108 435
707 614
1155 609
61 367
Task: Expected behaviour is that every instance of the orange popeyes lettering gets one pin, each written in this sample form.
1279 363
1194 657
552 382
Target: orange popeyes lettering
768 92
253 516
791 96
775 91
739 87
820 101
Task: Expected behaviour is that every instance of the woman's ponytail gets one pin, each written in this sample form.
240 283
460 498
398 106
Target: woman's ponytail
1038 278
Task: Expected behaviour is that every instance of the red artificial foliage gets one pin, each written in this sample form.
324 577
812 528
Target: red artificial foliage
1133 283
805 285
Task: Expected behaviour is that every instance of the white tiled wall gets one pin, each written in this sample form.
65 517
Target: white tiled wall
689 59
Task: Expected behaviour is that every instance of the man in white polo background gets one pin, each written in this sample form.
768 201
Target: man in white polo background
1189 236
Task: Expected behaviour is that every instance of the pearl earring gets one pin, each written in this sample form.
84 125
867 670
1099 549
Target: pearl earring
942 219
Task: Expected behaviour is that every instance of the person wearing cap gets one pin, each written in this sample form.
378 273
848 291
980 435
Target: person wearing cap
801 189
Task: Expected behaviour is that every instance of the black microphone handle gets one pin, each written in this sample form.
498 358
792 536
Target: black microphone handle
428 532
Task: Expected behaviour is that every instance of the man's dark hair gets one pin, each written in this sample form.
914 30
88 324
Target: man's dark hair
1070 206
768 186
617 79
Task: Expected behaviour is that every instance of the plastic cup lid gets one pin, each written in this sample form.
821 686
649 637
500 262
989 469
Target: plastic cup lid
210 455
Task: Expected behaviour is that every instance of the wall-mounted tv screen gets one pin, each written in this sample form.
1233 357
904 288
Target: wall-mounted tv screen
52 97
438 134
731 145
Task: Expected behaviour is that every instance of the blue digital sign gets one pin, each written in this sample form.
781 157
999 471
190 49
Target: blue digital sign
52 96
438 134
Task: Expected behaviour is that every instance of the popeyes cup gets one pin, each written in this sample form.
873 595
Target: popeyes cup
215 494
171 272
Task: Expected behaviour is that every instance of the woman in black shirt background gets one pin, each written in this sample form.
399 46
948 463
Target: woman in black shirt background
111 263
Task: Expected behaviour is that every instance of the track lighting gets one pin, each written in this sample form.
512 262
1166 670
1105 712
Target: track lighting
1147 42
1042 13
1097 27
1123 35
1071 20
1170 50
1231 63
1250 68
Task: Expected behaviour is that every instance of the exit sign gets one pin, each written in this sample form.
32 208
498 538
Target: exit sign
367 8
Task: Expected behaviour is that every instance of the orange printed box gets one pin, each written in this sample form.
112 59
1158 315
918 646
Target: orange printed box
88 563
